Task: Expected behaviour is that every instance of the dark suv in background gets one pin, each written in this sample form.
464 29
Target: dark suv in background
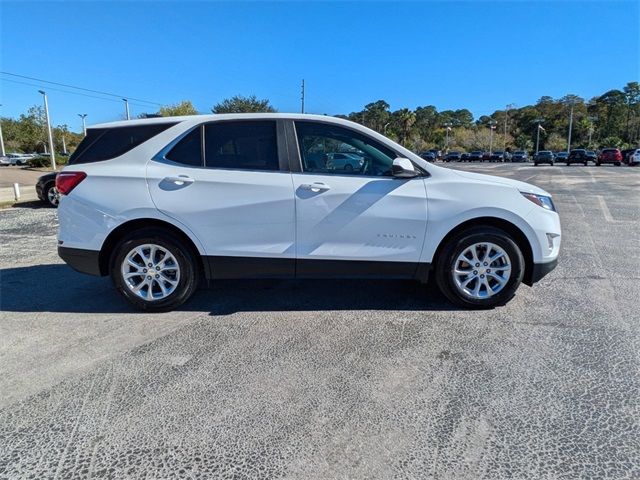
578 155
453 157
520 156
544 156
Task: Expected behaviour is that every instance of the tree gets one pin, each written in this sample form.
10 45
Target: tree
184 107
376 115
240 104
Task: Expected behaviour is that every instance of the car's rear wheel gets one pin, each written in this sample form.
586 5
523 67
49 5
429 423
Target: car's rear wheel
52 195
154 270
480 268
348 167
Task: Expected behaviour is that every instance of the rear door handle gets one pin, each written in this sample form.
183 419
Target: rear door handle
179 180
315 187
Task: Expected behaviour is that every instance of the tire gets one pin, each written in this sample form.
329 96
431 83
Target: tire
598 164
449 258
585 163
51 195
187 272
568 163
535 164
348 168
618 164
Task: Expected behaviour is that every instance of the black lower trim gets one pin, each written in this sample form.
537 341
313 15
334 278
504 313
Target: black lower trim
539 271
354 269
223 267
84 261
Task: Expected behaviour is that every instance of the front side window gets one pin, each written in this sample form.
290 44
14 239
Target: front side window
326 148
188 150
107 143
245 145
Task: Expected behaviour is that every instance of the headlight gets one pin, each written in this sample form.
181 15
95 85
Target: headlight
540 200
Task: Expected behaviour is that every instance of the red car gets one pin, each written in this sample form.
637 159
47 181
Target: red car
610 155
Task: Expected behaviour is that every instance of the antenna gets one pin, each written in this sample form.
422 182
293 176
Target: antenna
302 97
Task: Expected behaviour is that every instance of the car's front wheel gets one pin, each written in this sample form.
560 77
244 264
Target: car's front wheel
154 270
480 268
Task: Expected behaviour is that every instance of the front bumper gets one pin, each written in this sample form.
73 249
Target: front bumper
83 261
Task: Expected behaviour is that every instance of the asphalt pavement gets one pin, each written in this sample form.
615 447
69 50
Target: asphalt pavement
331 379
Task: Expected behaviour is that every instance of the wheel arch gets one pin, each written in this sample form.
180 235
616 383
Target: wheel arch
130 226
511 229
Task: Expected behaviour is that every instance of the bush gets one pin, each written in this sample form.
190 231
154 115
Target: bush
43 161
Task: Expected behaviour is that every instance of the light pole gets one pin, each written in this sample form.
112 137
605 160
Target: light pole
492 127
591 121
538 121
84 125
126 108
2 152
570 128
506 116
448 126
46 114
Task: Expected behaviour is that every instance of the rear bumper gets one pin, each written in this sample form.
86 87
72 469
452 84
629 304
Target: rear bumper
539 271
83 261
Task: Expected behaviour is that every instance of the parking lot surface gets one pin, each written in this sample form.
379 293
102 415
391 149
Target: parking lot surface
331 379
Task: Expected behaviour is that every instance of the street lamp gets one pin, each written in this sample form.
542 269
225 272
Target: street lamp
84 125
126 108
572 104
492 127
538 128
591 120
506 116
2 152
46 114
448 126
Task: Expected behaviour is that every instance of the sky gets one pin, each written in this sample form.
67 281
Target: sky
478 55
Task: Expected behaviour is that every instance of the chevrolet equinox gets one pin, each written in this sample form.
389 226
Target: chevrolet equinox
159 204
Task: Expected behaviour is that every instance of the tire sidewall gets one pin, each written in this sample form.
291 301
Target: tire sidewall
46 195
188 270
458 244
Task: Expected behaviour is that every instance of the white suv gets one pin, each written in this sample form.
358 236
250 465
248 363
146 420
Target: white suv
160 203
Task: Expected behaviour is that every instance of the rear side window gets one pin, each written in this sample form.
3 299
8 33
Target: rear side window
107 143
245 145
188 151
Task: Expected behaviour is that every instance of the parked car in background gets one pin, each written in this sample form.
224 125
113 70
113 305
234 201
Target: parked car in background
561 156
634 157
593 157
436 153
626 154
453 157
544 156
348 162
429 156
243 208
610 155
17 159
498 156
475 156
578 155
465 157
46 189
520 156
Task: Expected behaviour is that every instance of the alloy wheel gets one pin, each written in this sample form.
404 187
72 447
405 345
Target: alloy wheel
482 270
151 272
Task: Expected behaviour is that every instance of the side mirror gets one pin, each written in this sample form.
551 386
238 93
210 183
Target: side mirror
403 168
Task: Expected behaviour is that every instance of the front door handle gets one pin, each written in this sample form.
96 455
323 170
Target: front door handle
315 187
179 180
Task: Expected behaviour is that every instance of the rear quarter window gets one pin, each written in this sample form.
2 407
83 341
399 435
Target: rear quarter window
107 143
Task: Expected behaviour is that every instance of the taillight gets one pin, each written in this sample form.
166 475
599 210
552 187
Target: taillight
67 181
